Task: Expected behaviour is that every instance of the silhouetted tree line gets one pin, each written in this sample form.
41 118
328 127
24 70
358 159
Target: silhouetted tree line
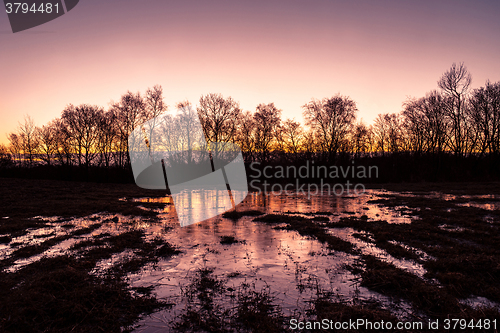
451 133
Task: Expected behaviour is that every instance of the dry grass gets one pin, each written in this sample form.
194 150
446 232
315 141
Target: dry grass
24 198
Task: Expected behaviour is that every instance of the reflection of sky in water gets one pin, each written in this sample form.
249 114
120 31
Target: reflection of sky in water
196 203
484 201
165 200
482 205
191 206
194 206
340 206
296 203
292 266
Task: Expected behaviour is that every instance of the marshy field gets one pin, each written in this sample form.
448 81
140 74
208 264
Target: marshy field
90 257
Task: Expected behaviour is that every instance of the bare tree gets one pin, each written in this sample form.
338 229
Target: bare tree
130 113
331 119
380 132
48 142
218 116
154 107
267 123
63 141
396 134
427 123
456 83
15 147
292 136
5 156
388 133
82 123
29 139
190 133
485 115
310 144
361 139
154 103
107 137
244 135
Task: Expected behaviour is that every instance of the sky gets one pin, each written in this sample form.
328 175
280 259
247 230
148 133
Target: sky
379 53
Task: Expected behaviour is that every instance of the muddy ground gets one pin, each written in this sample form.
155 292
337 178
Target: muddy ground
108 258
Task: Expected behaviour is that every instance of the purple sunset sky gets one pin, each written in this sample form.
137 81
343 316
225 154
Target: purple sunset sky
286 52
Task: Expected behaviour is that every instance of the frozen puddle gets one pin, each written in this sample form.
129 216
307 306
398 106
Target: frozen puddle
295 270
75 229
339 206
104 265
291 267
366 248
477 302
484 201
